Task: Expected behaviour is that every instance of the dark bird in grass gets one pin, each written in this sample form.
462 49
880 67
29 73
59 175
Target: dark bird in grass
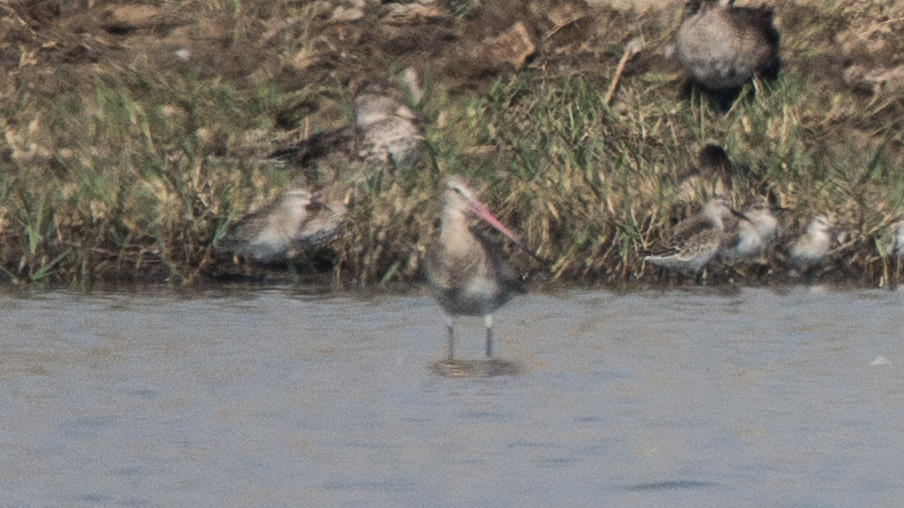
298 221
386 134
714 174
722 46
466 273
695 240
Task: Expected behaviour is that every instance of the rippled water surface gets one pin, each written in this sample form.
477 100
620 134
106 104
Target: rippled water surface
669 398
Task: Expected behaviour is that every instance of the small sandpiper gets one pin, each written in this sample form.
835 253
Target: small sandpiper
748 239
298 221
722 46
467 275
695 241
811 247
898 246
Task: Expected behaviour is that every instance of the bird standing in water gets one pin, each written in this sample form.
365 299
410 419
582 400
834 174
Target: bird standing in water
466 275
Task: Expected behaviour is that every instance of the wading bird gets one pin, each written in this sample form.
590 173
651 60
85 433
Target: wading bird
811 247
898 246
748 239
466 275
386 134
695 240
722 46
713 175
300 220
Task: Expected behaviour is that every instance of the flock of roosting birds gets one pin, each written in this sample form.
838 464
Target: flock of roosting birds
719 230
721 46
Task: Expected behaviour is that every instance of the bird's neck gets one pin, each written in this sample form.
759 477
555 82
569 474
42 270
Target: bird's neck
455 235
716 219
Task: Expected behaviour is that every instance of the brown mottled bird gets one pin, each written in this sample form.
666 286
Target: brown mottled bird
467 275
695 240
386 134
300 220
723 46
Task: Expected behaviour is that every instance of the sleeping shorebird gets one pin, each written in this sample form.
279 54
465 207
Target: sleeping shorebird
746 239
722 46
811 247
386 134
300 220
466 275
696 240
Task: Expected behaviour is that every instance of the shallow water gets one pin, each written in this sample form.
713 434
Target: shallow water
697 398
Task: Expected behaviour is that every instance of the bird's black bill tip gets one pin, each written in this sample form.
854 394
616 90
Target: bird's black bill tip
740 215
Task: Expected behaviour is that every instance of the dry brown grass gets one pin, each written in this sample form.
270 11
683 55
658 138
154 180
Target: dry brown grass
122 160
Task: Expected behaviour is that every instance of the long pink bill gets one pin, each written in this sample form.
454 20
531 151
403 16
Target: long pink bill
481 211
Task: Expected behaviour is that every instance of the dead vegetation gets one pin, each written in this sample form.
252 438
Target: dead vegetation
133 132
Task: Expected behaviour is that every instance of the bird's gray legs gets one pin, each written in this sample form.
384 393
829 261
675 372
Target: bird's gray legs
488 320
451 328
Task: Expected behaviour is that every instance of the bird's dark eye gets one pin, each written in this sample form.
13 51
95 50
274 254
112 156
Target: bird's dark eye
313 207
458 190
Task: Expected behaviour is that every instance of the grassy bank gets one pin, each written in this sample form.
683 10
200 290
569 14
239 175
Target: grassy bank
132 174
